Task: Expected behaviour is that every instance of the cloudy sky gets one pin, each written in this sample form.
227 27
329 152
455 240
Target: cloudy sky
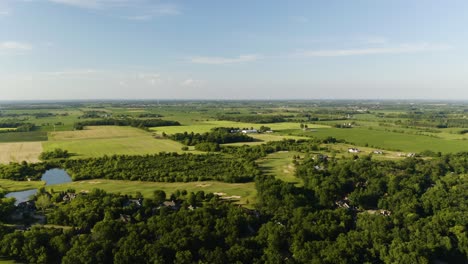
246 49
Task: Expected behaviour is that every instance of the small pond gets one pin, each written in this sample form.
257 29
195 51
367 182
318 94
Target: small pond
51 177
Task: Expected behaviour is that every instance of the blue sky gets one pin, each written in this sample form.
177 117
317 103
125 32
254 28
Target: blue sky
140 49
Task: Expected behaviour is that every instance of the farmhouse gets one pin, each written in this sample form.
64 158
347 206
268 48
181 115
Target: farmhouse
249 131
353 150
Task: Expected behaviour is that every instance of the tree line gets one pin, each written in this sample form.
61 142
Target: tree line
140 123
220 135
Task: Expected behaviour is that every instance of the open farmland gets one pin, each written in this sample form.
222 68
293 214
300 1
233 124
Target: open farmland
243 192
109 140
20 151
23 136
206 126
362 136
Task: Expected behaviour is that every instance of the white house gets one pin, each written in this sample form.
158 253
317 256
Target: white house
249 131
353 150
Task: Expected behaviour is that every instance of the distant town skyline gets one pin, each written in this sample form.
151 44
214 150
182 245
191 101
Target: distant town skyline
149 49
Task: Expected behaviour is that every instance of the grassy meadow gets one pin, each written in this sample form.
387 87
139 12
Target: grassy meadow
245 193
206 126
280 165
363 136
14 186
109 140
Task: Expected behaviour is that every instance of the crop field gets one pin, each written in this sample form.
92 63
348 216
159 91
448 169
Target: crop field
99 141
17 152
23 136
14 186
97 132
389 140
244 193
280 165
206 126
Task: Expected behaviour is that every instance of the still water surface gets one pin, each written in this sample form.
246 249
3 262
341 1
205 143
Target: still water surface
51 177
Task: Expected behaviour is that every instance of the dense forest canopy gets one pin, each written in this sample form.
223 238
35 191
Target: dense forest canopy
348 211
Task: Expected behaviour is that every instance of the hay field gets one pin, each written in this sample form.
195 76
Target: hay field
109 140
20 151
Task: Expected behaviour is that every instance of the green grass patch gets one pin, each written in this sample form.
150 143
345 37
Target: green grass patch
280 165
109 140
389 140
7 261
244 193
206 126
15 186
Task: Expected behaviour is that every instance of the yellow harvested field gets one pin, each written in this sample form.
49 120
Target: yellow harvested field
20 151
97 132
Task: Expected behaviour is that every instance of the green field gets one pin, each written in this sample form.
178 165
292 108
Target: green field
110 140
206 126
280 165
23 136
14 186
245 193
389 140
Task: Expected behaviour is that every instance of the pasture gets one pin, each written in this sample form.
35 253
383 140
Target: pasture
206 126
109 140
363 136
14 186
20 151
280 165
244 193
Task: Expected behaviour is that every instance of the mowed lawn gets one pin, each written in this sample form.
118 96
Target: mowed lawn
389 140
244 193
280 165
20 151
97 141
14 186
206 126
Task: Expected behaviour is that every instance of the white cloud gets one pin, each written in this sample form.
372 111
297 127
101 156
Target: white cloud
13 47
400 49
224 60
